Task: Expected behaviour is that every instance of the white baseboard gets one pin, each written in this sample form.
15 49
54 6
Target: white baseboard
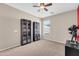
55 41
11 47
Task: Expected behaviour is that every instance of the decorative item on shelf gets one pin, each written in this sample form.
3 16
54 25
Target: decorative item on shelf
73 31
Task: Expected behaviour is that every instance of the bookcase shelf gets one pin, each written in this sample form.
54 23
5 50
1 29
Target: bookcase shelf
25 31
36 31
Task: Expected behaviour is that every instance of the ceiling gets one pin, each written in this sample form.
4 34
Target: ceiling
56 8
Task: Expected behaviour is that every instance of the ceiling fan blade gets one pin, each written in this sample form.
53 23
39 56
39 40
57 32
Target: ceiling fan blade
35 6
45 9
50 4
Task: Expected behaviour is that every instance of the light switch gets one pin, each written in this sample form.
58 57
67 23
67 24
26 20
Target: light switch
15 31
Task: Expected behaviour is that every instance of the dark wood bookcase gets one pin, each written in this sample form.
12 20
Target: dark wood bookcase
36 31
25 31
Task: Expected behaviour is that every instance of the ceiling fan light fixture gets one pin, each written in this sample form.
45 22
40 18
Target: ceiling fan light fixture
42 7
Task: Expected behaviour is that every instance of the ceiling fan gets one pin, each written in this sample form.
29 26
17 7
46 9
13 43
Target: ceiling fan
43 6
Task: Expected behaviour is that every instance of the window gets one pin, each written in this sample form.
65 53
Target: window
46 27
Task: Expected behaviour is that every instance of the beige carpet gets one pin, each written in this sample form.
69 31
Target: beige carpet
38 48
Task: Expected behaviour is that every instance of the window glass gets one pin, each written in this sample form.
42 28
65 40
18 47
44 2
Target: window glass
46 26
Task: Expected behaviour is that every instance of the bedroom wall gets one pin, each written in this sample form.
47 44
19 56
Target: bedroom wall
10 25
59 25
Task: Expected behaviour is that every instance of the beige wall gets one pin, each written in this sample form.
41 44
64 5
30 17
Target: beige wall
59 26
9 24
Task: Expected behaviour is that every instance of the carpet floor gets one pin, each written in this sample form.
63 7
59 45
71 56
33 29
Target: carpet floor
38 48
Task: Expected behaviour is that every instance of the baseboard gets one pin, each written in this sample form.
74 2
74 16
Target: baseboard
11 47
54 41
